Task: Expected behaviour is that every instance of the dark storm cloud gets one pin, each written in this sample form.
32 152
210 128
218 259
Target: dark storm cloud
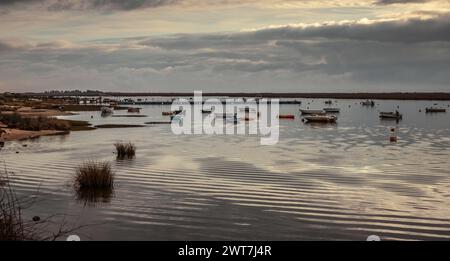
56 5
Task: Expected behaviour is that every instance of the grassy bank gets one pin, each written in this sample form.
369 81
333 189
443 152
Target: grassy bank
16 121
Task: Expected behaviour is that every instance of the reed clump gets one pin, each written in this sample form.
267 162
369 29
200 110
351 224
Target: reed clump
125 150
11 222
92 175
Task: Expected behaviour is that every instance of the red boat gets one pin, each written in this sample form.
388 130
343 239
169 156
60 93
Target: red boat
287 116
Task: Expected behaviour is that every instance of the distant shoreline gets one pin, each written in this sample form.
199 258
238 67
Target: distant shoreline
375 96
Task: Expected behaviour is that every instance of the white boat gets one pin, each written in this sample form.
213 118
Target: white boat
321 118
316 112
332 110
391 115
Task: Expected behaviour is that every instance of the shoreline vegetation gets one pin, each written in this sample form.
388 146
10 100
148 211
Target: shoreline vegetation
32 115
325 95
16 226
16 126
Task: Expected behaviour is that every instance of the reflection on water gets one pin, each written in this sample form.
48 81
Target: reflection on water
94 196
334 181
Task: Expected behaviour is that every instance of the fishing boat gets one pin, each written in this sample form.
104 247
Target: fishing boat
332 110
316 112
321 118
434 109
286 116
391 115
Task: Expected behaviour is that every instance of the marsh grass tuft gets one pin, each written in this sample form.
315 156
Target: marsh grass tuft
125 150
94 175
94 182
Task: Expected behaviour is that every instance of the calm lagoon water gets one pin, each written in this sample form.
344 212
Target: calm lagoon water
320 182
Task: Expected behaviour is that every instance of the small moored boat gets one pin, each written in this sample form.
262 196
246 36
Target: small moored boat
321 118
434 109
206 111
286 116
170 113
225 115
391 115
316 112
136 110
332 110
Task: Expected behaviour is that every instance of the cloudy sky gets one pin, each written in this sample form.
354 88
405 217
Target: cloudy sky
225 45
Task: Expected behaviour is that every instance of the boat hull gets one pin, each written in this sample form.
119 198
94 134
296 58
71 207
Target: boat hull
321 119
311 112
431 110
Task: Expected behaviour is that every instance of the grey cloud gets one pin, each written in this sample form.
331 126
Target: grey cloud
353 57
58 5
388 2
409 31
412 30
